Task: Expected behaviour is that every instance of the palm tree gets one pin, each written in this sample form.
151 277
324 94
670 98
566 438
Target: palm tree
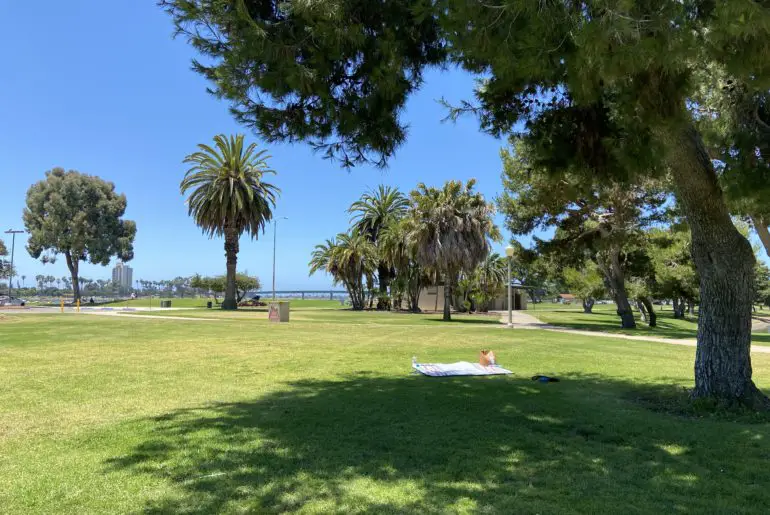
490 277
23 278
228 196
372 214
350 259
450 229
410 277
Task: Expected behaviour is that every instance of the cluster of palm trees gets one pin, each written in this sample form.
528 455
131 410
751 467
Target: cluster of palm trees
55 285
400 244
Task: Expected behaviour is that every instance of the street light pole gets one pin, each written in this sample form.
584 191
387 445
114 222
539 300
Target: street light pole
275 237
13 249
509 253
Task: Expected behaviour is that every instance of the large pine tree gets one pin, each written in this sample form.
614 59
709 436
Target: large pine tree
338 73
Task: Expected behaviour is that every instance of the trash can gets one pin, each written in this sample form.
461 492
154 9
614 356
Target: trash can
208 304
279 311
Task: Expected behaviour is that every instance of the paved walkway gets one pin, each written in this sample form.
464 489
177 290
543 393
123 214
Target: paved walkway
523 320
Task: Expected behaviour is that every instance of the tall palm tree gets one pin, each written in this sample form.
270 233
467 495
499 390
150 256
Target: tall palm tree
372 214
350 259
229 197
450 228
23 279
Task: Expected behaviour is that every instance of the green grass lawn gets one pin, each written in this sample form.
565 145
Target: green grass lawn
321 415
605 319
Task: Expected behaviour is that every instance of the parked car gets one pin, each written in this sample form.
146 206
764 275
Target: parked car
12 301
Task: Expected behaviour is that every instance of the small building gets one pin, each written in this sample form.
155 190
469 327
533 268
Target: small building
432 299
565 298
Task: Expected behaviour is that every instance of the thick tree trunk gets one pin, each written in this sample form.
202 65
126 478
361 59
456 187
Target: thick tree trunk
588 305
652 318
617 277
447 297
690 307
675 307
762 231
725 262
73 265
383 276
231 253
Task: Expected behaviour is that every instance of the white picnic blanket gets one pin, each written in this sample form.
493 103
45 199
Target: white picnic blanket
461 368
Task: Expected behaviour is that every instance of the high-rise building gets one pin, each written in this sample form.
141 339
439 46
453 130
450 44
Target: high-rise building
122 276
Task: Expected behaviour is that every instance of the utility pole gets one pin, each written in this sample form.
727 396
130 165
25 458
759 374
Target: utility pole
13 249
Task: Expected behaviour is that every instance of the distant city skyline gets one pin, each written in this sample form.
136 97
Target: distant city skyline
122 275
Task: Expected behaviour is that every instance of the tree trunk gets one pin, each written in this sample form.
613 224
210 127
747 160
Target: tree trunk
690 307
762 231
588 305
652 318
231 252
615 282
642 310
675 307
725 262
73 265
383 275
447 297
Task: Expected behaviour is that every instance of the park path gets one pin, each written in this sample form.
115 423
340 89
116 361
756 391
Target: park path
523 320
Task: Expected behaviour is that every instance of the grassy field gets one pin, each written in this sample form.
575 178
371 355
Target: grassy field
126 414
605 319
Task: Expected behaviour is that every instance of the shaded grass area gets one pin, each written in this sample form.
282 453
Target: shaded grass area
605 319
113 414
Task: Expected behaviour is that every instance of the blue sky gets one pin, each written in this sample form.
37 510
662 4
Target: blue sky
101 87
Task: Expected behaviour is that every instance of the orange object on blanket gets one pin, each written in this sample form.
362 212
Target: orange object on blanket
487 358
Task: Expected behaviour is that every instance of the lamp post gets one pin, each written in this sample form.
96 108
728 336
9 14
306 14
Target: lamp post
509 253
13 249
275 236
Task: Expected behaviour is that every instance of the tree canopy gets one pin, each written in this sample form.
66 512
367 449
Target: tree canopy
338 73
79 216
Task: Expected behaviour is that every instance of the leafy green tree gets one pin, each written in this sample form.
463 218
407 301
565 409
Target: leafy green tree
735 121
547 185
344 88
79 216
676 277
372 214
351 260
228 196
450 229
5 266
245 283
587 284
762 284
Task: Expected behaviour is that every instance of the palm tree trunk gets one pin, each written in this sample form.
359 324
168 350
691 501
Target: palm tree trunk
447 297
231 253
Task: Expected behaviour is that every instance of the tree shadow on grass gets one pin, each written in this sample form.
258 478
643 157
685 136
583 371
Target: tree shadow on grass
437 445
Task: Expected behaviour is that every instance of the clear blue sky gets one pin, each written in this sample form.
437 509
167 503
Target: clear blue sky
102 88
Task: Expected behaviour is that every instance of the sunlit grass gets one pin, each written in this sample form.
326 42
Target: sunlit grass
321 415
